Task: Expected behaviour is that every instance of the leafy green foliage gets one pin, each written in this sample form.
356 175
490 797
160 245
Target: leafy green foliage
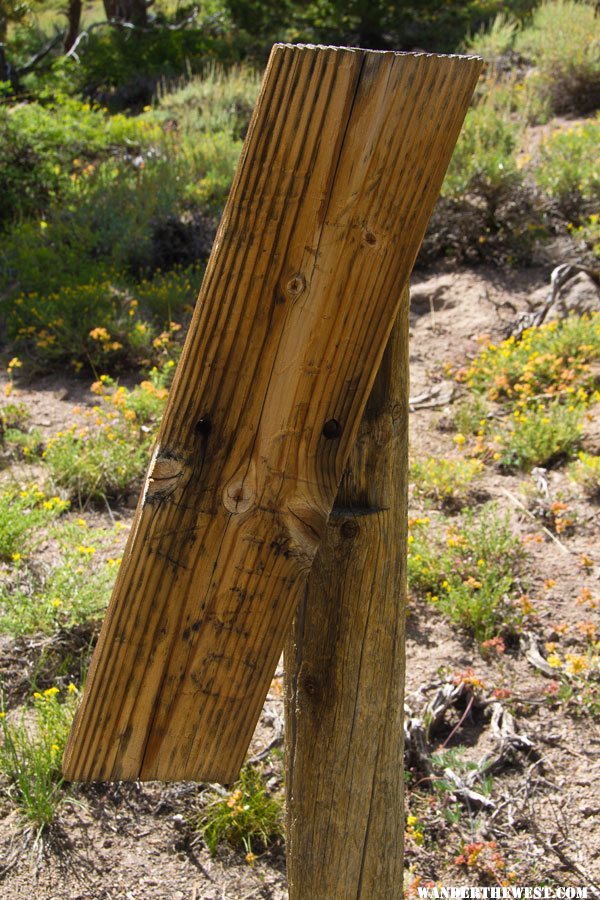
106 454
562 41
44 146
541 435
248 817
473 577
446 481
73 591
544 382
567 169
22 513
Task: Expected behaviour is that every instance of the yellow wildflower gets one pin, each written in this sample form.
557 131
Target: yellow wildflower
575 664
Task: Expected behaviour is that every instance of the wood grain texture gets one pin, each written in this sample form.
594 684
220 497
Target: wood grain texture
341 167
344 668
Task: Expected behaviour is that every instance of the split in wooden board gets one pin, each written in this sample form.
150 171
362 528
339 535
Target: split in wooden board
342 165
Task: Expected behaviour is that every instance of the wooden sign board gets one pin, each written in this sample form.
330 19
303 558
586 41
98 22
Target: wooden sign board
342 165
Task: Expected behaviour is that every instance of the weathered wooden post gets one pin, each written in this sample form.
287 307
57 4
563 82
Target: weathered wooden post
343 162
344 667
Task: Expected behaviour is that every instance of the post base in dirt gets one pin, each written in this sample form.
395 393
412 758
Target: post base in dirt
344 668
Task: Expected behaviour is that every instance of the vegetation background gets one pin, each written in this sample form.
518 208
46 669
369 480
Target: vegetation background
120 128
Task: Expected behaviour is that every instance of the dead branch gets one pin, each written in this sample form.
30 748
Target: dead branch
560 277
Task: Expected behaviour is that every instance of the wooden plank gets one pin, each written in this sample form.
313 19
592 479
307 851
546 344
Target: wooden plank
344 667
341 167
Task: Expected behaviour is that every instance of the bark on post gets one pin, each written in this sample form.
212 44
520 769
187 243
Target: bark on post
344 667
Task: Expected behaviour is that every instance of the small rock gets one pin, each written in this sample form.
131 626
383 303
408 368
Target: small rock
579 295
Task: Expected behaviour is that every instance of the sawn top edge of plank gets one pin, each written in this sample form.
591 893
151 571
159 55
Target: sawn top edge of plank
341 167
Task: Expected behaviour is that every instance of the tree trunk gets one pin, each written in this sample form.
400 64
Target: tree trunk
134 11
344 666
74 18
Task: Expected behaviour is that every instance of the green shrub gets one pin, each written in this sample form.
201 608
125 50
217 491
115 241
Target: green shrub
495 40
123 69
107 454
562 40
17 439
247 818
541 435
73 591
554 359
171 294
473 577
101 326
104 221
22 514
586 472
447 481
545 380
209 164
588 232
31 755
484 161
567 169
219 101
43 147
487 209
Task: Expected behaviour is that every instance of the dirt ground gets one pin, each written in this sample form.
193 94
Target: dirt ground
132 841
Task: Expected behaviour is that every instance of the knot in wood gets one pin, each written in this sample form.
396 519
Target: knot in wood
237 497
296 285
164 476
310 685
349 529
368 237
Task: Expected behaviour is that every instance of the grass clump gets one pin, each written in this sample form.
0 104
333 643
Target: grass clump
473 575
22 514
447 481
105 455
248 818
586 472
31 754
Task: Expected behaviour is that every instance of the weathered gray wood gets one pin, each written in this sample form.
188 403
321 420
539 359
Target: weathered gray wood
344 668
